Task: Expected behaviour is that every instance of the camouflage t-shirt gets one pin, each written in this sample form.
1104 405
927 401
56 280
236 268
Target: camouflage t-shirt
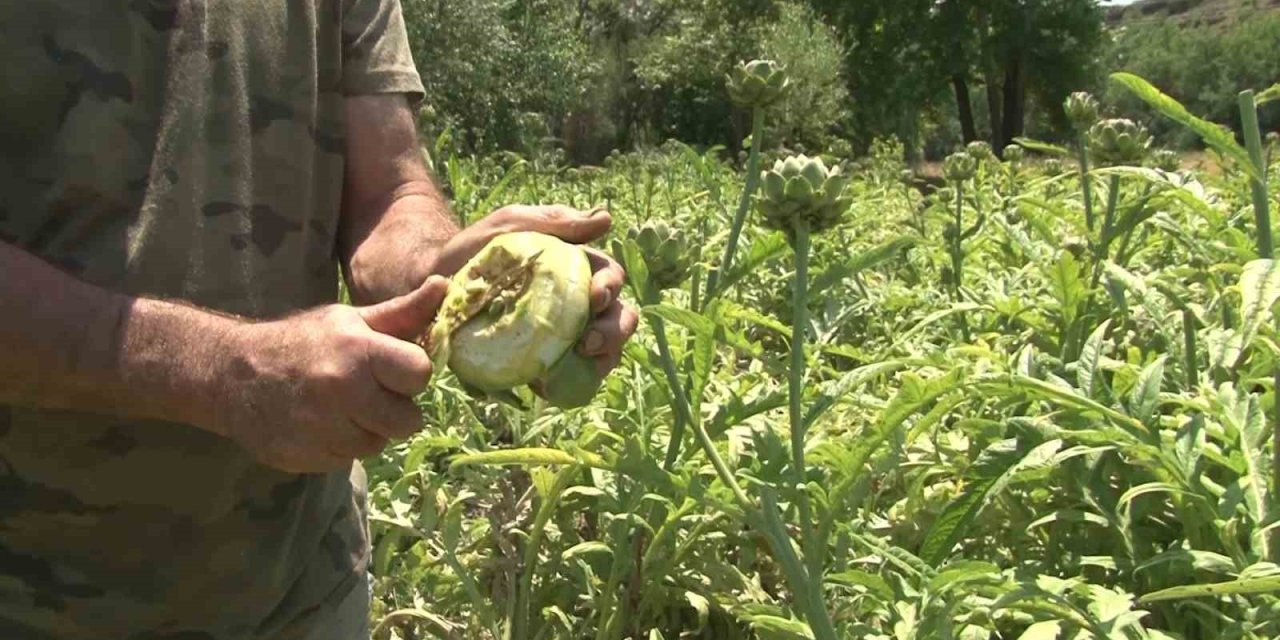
185 149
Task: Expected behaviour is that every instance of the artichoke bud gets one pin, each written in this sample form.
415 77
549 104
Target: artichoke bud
980 150
907 177
1053 167
959 167
1119 141
1167 160
1273 138
802 188
512 317
666 253
757 84
1082 110
1014 154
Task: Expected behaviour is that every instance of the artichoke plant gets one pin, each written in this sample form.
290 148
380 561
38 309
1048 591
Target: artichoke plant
757 84
1082 110
1167 160
803 188
959 166
1119 141
667 256
980 150
1014 154
512 317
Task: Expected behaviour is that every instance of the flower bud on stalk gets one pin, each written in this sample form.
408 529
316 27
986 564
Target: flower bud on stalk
1014 154
959 167
667 255
1082 110
801 187
1167 160
981 151
759 83
1119 141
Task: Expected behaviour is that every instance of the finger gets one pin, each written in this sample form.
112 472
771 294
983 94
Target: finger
388 415
609 331
408 316
607 278
567 223
355 442
399 367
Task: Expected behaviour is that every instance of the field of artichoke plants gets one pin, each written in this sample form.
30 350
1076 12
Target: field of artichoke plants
1036 401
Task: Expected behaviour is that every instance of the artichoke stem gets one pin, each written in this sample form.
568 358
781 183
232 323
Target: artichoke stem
1086 184
744 205
799 323
683 411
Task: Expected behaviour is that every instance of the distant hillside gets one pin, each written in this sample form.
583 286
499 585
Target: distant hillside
1190 12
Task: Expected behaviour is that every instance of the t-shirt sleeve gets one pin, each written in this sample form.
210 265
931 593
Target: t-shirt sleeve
375 50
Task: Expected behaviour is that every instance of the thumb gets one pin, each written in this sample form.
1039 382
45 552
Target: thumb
408 316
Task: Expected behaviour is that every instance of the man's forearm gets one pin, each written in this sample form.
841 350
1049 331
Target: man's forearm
400 251
395 219
69 345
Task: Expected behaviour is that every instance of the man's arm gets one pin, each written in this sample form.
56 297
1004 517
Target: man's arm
69 345
397 229
395 221
306 393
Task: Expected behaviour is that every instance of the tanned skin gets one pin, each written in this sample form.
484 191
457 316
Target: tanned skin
310 392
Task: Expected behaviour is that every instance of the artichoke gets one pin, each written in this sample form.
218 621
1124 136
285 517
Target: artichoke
1082 110
959 167
980 150
1119 141
1167 160
1014 154
666 253
512 317
802 188
757 84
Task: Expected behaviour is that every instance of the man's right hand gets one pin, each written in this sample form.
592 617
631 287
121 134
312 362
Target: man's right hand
312 392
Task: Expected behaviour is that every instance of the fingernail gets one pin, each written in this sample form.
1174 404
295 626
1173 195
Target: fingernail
593 343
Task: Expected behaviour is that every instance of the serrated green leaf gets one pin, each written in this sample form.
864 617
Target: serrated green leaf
1268 95
590 547
861 262
1213 134
1042 147
1251 586
1045 630
1145 396
1090 355
992 472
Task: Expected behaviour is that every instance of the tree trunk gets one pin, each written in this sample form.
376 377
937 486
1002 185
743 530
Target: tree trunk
995 104
1015 99
968 130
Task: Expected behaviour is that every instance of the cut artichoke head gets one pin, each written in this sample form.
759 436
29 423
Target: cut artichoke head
512 317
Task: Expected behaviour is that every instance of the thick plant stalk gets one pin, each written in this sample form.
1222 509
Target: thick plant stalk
684 414
744 205
1086 184
799 326
1262 215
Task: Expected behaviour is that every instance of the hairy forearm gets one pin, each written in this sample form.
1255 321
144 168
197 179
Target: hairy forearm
395 219
72 346
400 250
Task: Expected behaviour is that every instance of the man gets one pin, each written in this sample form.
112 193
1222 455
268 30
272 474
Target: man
181 401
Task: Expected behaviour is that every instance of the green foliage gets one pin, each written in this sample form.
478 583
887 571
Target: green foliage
1203 66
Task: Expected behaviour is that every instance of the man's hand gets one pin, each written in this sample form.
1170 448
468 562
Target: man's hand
312 392
614 322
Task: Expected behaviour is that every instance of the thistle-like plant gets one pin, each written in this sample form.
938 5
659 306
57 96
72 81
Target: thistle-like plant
759 83
802 188
753 85
1119 141
1082 112
958 168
